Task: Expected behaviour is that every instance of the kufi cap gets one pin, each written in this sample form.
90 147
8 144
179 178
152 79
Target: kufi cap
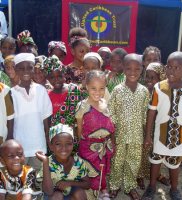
94 54
24 57
59 129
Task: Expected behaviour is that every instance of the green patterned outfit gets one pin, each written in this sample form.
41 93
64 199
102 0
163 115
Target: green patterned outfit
77 172
114 81
128 112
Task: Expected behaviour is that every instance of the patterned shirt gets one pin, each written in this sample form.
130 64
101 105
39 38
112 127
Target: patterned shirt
77 172
4 78
128 112
14 187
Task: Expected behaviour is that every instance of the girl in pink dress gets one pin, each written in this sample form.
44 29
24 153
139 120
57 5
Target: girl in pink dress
96 131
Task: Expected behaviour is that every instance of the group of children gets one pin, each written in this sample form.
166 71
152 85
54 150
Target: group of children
84 131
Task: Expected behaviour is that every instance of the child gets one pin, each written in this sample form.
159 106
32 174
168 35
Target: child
64 176
128 106
96 131
39 75
116 76
26 43
7 47
105 54
32 109
92 61
79 47
150 54
58 49
17 181
64 97
165 111
9 66
6 113
154 73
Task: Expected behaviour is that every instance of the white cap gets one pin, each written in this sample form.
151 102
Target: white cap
24 57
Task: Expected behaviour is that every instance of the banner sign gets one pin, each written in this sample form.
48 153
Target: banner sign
108 23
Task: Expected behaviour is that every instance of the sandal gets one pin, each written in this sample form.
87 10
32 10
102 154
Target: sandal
148 194
134 195
162 179
114 193
140 183
175 195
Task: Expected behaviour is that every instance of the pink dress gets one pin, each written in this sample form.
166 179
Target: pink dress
95 144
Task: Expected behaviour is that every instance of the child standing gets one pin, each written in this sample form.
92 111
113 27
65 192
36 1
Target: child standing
32 109
154 73
79 47
96 131
17 181
128 106
26 43
116 76
64 97
105 54
58 49
165 110
6 113
9 66
150 54
64 176
7 47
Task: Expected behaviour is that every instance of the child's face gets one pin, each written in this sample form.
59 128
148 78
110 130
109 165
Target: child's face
56 79
152 56
10 70
80 50
29 49
62 146
7 49
91 63
25 71
60 54
13 158
116 63
106 57
151 79
132 70
96 88
39 76
174 70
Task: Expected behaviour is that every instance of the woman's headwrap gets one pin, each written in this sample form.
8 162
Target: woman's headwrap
24 38
59 129
51 64
56 44
96 55
77 38
158 68
39 61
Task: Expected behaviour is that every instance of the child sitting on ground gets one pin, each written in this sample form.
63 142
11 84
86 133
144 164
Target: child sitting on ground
17 181
64 176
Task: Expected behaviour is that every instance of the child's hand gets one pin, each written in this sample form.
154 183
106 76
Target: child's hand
61 185
41 156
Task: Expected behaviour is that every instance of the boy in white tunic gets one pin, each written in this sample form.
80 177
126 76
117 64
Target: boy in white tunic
32 108
165 110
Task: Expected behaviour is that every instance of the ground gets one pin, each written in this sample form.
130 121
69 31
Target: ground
162 190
